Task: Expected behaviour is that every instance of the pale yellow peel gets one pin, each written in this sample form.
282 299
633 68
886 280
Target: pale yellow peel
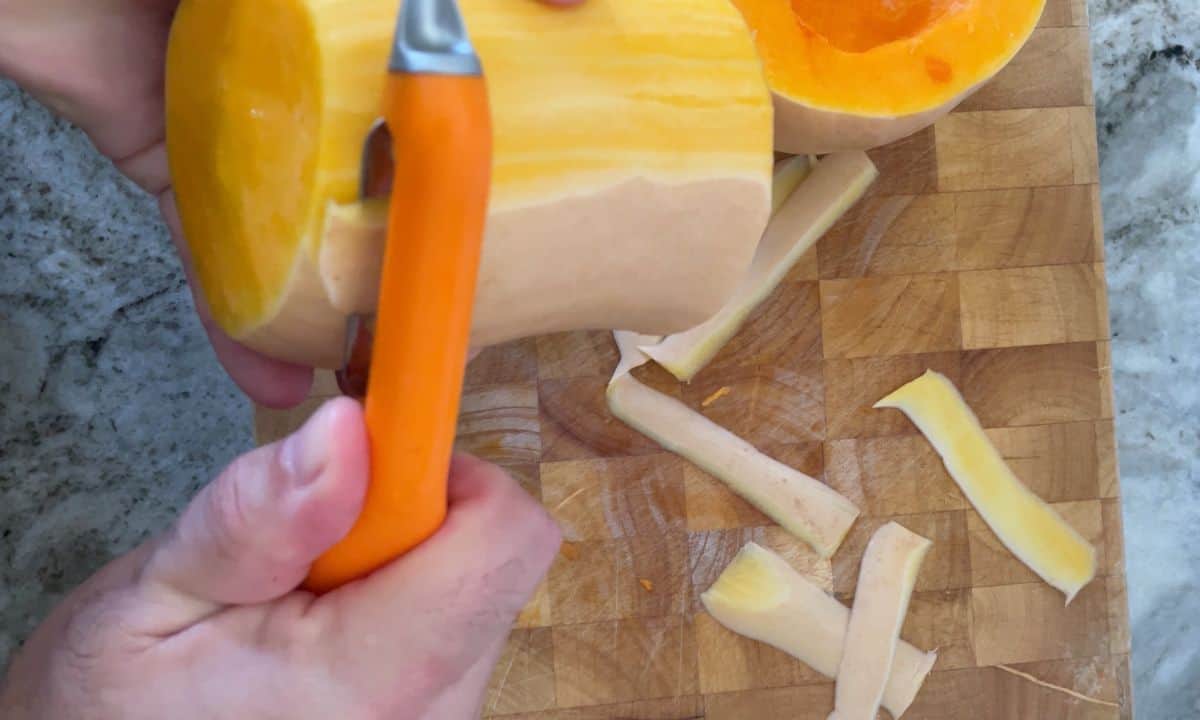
630 356
828 191
885 583
788 175
807 508
1057 688
760 596
1027 526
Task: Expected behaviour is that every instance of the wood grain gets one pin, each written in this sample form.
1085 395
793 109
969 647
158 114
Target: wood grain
890 316
1006 148
523 680
642 576
1044 305
987 693
620 660
891 235
730 662
978 253
783 332
942 619
1022 85
1033 385
511 363
908 166
947 565
1057 462
1025 227
607 498
852 387
765 405
500 422
575 355
1022 623
675 708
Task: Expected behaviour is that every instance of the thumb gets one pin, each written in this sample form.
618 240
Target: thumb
251 535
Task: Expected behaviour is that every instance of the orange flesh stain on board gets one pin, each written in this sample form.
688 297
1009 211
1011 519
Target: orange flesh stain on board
859 25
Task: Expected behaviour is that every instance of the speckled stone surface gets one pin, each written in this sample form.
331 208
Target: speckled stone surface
1146 63
113 410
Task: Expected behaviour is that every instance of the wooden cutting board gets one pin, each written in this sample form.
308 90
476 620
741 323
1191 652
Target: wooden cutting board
977 253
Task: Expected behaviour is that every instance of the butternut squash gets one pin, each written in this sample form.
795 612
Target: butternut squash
631 175
856 74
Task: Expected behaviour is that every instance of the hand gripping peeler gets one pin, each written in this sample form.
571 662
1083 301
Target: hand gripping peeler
436 127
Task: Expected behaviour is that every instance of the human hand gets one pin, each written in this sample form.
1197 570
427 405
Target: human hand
205 621
100 64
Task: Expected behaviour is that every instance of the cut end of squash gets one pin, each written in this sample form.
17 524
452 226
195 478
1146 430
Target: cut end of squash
853 74
245 104
1032 530
856 26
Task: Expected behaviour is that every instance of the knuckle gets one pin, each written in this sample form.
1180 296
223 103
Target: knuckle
229 522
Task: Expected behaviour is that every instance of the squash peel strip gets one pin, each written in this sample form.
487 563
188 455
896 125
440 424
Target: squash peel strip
804 506
823 195
787 176
761 597
885 583
1032 530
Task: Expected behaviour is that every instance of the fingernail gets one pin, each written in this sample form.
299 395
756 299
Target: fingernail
305 452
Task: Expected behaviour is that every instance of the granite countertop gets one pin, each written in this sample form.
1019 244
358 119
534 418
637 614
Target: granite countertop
1146 67
113 410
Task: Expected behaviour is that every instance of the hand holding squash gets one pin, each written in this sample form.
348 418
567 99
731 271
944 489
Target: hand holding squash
100 64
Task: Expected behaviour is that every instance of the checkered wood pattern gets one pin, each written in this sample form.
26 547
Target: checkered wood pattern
978 253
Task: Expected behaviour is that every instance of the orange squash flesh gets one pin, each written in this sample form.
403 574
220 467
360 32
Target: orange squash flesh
855 74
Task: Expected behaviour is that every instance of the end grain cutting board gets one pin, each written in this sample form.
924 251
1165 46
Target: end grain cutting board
977 253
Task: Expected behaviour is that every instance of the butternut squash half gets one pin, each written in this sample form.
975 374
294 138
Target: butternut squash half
631 174
856 74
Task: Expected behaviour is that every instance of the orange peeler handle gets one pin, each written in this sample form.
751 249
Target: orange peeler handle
441 141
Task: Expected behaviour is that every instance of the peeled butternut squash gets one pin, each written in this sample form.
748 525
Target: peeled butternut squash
631 174
856 74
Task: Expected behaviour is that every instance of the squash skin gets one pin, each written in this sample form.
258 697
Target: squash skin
652 237
801 129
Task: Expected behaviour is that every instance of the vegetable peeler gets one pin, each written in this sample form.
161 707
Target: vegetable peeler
436 127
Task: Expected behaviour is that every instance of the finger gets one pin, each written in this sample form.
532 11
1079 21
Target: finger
267 381
454 597
251 535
